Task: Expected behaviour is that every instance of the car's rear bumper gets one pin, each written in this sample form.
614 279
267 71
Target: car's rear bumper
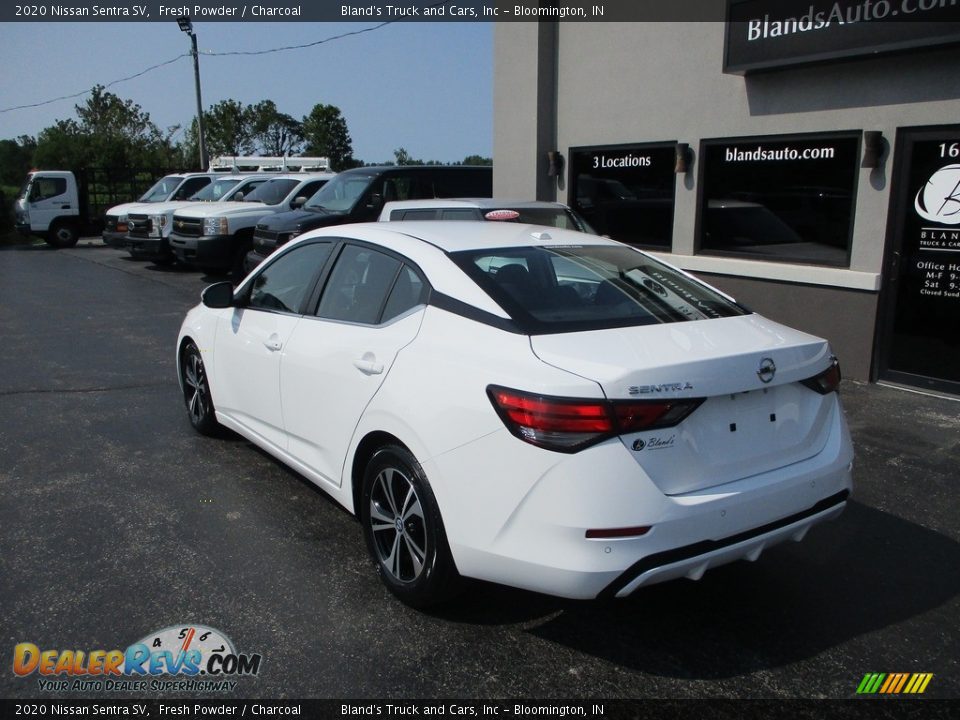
534 534
694 560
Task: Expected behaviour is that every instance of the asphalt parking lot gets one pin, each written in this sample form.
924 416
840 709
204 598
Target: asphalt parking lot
117 520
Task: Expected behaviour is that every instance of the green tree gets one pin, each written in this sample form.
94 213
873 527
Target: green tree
16 158
326 135
402 157
63 146
228 129
119 132
108 132
274 132
477 160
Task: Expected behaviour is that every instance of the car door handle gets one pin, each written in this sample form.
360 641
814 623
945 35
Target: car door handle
272 343
368 364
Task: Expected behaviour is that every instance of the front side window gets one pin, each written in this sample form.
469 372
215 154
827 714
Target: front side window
189 187
44 188
272 191
359 286
162 189
285 282
568 288
341 193
245 187
781 199
215 190
310 189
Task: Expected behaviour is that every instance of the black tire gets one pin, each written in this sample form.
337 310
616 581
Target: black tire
196 392
404 531
62 235
238 269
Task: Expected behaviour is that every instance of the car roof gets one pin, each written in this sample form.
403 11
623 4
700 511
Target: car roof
296 176
373 169
454 235
479 203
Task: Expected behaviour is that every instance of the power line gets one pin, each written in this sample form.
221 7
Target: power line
84 92
205 53
296 47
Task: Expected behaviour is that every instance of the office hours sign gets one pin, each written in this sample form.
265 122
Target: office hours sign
921 326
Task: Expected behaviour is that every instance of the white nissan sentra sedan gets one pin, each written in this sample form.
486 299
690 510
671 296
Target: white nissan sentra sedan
526 405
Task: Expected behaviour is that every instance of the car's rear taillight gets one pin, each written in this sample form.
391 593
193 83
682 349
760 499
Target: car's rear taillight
569 425
653 414
826 382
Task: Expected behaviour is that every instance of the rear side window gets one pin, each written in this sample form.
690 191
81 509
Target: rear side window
570 288
408 291
358 286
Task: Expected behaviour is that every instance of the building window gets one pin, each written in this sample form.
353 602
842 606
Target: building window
626 191
785 198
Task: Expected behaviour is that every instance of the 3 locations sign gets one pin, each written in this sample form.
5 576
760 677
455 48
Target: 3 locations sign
626 191
766 34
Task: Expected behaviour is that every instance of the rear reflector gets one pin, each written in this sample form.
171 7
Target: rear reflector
569 425
606 533
826 382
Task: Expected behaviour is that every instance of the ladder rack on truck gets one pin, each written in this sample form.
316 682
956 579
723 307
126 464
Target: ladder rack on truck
268 163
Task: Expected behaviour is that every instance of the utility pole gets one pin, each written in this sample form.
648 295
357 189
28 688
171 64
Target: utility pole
187 27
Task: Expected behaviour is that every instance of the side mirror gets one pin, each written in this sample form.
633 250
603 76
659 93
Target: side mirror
238 196
298 202
376 200
218 295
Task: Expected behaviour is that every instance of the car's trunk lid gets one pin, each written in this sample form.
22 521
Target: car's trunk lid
756 416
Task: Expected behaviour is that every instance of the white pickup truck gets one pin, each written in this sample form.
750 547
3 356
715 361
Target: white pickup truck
149 225
217 236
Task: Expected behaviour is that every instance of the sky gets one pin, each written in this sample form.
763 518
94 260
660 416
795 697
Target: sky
426 87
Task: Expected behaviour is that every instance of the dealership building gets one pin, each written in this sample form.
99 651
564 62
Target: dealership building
811 169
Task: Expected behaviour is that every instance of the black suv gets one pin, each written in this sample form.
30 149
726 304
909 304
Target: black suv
358 195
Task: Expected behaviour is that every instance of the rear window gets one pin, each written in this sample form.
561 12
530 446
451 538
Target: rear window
577 288
552 217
